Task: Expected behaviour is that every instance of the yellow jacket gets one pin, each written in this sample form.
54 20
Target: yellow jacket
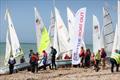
97 56
116 56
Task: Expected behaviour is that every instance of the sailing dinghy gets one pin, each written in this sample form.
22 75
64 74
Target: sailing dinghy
12 45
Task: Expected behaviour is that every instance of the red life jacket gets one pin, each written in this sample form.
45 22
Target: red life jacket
82 53
33 58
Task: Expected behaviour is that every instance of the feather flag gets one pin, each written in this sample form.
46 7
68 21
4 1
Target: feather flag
79 34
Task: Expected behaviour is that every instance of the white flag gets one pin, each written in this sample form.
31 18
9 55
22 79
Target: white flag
79 35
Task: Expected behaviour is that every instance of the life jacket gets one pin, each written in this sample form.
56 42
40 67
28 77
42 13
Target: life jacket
97 56
103 54
116 56
12 61
33 58
45 55
82 53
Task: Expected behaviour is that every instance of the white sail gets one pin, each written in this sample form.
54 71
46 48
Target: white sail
42 35
51 28
108 31
102 38
15 45
71 19
39 26
96 34
8 49
119 24
55 41
79 35
115 44
53 33
62 34
12 42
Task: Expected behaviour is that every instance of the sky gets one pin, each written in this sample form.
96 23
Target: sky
22 13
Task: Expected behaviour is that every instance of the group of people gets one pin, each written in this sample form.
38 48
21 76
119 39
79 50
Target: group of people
94 59
87 59
34 58
100 56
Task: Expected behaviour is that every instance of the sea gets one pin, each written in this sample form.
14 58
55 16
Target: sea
25 47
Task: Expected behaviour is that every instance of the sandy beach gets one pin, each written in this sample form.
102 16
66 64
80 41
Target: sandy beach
64 74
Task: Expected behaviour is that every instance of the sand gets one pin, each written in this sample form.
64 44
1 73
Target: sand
64 74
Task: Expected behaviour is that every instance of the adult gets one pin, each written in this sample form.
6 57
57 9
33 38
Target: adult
103 58
36 63
11 63
44 59
82 55
87 58
33 60
115 60
53 57
97 60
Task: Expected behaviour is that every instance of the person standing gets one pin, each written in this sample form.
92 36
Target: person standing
44 59
97 60
33 61
82 55
87 58
92 60
53 53
115 60
36 63
11 63
103 58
